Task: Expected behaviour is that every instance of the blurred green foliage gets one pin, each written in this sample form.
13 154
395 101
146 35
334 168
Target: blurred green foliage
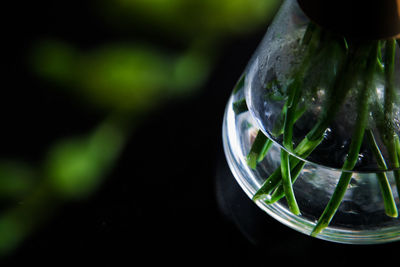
125 80
130 78
74 167
136 76
188 20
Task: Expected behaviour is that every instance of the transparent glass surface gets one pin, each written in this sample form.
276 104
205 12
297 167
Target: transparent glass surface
270 73
360 218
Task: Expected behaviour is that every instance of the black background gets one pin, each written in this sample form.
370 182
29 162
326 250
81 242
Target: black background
183 208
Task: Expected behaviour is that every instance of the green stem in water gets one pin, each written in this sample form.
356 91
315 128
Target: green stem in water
295 91
265 149
240 84
387 195
390 96
279 192
279 124
311 41
355 145
287 183
304 149
342 85
240 106
379 59
290 112
258 150
296 166
256 155
333 204
273 181
397 140
339 89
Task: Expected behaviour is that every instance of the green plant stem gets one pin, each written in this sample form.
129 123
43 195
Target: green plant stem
290 111
333 204
258 150
389 101
272 181
295 92
240 84
345 80
264 151
279 192
339 91
240 106
288 144
397 141
311 42
268 143
387 195
303 150
296 166
279 124
277 130
290 117
381 66
342 84
355 145
287 183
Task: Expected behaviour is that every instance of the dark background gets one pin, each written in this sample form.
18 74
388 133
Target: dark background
171 198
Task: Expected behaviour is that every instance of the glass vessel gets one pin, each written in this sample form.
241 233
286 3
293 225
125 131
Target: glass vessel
311 130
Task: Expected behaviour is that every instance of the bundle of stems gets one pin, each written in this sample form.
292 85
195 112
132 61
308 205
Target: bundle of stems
356 65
